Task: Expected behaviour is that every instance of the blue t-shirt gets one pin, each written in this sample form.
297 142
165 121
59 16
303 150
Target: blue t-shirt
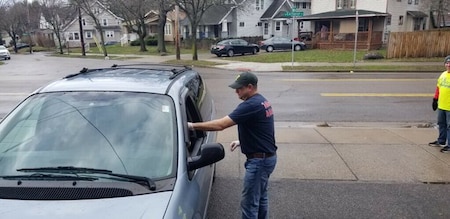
254 118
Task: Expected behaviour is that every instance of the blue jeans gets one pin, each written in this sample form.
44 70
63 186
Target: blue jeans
443 122
255 202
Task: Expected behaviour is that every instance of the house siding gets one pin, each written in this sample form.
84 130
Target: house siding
250 16
112 31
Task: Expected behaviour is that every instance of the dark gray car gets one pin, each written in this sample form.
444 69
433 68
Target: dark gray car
231 47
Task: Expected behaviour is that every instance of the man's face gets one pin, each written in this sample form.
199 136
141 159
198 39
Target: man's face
447 65
244 92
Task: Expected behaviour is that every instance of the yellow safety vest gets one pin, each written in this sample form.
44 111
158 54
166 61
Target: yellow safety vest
444 91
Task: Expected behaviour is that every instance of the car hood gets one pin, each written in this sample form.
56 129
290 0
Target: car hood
141 206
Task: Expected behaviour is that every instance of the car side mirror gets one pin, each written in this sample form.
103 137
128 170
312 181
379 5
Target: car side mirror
209 153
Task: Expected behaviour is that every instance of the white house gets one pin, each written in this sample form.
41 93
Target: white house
248 18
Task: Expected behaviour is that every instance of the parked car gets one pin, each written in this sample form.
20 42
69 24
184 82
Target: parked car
110 143
111 43
22 45
231 47
4 53
281 43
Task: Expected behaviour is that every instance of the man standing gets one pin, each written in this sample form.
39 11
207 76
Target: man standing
441 102
254 117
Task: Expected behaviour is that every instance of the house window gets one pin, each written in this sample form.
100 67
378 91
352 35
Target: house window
399 0
352 3
88 34
109 34
278 26
259 4
416 2
304 5
74 36
96 11
168 29
400 20
105 22
83 21
266 28
241 24
345 4
409 2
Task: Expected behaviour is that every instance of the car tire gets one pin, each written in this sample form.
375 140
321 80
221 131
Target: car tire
255 50
218 55
269 49
230 53
297 47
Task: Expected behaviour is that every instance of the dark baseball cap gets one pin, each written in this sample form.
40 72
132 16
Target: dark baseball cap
244 79
447 59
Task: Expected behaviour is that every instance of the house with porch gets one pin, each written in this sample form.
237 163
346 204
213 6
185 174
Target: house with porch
111 25
337 20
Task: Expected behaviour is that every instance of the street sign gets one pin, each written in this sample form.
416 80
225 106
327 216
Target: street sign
293 14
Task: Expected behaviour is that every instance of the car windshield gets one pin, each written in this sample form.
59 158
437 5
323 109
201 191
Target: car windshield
127 133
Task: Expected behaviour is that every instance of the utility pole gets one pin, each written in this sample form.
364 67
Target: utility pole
177 32
80 23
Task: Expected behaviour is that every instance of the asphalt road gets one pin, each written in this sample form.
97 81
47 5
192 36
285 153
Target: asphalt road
297 98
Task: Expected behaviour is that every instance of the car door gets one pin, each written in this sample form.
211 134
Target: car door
244 46
197 103
285 43
237 48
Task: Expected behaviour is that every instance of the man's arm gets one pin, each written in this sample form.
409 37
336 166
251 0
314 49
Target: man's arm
213 125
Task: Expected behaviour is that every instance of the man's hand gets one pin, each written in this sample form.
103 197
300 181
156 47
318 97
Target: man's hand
190 126
234 145
435 104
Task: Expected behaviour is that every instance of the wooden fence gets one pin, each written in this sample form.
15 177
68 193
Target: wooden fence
418 44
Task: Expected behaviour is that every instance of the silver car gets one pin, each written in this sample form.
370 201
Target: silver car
4 53
110 143
281 43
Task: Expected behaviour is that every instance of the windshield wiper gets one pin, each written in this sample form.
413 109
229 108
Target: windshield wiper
77 170
40 176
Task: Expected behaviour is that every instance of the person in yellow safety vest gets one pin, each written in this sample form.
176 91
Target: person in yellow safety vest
441 102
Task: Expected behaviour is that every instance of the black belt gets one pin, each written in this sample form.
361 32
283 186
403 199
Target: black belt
259 155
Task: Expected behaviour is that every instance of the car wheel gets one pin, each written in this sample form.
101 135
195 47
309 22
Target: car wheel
230 53
218 54
297 47
255 50
269 49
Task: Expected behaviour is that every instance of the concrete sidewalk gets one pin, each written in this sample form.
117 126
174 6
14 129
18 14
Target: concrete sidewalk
350 153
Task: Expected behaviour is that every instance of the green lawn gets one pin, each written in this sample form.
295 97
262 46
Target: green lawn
316 55
133 50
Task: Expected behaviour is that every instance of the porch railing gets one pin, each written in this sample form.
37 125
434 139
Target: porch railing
332 40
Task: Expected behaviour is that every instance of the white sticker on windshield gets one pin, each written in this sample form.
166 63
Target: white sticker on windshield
165 109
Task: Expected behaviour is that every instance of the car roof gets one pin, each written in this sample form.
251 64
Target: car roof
151 79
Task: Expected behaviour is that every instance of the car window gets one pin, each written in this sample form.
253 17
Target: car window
235 42
129 133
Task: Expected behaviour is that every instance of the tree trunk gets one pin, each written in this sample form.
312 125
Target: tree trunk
194 42
161 27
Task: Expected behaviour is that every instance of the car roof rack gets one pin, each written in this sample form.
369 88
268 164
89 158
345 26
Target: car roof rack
175 69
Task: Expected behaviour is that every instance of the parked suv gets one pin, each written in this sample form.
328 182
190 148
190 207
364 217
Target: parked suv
110 143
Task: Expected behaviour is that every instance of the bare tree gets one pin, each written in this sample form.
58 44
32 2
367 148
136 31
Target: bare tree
56 13
14 20
164 6
194 10
133 12
93 9
439 7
